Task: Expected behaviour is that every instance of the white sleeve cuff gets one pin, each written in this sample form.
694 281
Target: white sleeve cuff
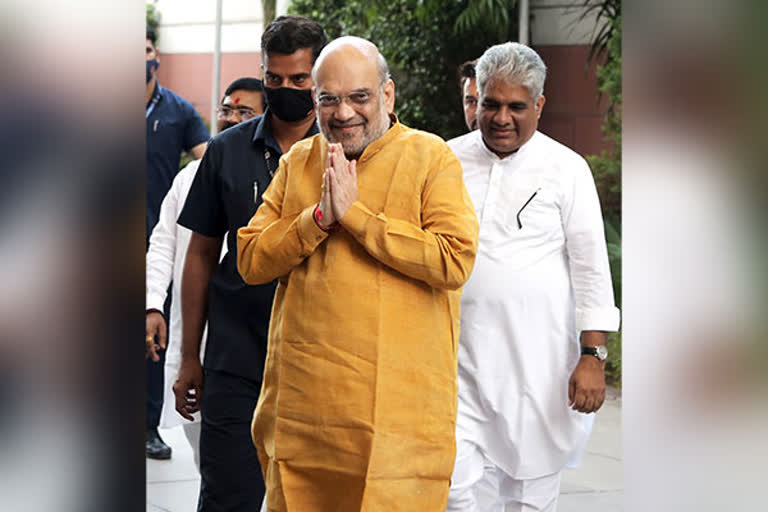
605 318
155 301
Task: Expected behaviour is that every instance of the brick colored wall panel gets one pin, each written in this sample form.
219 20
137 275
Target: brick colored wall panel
189 75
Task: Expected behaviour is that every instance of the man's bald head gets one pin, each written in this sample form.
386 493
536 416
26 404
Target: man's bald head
354 47
354 95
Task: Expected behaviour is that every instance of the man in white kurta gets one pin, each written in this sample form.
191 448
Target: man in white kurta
165 262
541 287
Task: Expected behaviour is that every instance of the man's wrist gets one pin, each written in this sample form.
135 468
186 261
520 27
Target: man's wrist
592 362
154 310
318 216
189 357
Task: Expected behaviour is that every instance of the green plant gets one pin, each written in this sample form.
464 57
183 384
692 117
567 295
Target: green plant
613 364
153 16
608 15
606 166
495 16
613 241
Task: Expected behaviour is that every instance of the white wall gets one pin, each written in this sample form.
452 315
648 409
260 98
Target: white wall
556 22
187 26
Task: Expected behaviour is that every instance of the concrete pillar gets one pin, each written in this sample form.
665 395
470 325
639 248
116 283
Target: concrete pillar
525 15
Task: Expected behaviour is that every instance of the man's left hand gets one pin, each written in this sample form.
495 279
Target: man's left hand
586 388
343 178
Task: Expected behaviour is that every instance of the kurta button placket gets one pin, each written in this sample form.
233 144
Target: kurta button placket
489 205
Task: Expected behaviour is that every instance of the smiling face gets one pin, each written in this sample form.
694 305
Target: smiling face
352 106
507 116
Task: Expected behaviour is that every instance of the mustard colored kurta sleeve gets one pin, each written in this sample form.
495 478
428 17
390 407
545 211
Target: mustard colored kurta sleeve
358 406
271 245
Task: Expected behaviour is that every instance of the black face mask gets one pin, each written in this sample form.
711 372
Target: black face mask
227 124
288 104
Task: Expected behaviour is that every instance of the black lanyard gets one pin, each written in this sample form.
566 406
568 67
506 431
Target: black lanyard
267 158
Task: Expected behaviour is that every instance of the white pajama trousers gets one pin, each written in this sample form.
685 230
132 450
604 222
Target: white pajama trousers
192 432
478 485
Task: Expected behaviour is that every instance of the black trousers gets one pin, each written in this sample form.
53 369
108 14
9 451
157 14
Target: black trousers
230 474
155 378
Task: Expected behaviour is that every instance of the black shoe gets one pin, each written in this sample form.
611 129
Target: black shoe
155 447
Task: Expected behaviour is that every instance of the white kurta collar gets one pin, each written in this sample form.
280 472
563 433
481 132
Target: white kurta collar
477 140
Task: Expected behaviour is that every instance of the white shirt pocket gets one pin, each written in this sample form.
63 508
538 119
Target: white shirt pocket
530 207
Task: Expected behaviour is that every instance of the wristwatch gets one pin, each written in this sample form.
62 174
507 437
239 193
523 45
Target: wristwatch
599 352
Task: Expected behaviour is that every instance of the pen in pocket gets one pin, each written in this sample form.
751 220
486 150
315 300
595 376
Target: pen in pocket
154 126
520 224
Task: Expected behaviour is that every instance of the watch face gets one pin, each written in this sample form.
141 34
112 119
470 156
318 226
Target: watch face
602 353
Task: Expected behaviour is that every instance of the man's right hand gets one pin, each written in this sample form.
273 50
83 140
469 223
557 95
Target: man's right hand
188 388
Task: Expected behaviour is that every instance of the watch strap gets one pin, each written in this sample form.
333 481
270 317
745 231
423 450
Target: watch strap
592 351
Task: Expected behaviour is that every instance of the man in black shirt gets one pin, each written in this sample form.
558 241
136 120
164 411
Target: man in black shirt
236 169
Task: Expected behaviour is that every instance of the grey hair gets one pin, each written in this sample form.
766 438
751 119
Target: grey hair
513 63
383 68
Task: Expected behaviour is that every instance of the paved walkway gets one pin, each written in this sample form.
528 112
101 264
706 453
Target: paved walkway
596 486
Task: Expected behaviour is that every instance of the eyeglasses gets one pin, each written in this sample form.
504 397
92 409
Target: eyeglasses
245 113
356 98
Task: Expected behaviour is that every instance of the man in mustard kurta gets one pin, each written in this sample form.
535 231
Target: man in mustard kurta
371 234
